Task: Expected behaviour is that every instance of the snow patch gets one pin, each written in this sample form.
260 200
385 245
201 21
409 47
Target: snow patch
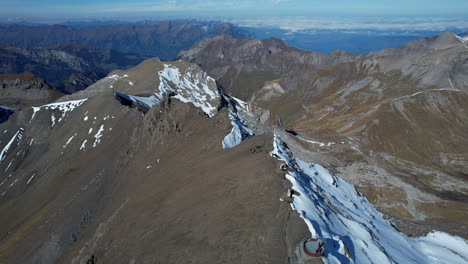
97 137
11 185
312 142
83 145
115 77
190 88
31 178
52 118
63 107
239 130
146 102
18 136
187 87
432 90
69 140
463 40
335 211
9 164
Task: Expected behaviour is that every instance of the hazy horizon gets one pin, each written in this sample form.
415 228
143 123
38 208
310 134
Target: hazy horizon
55 9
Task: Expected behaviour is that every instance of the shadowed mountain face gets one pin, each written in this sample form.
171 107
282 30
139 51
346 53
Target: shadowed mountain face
66 67
393 122
18 91
164 40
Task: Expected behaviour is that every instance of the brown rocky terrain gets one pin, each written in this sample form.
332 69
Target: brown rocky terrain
102 183
133 169
242 66
391 120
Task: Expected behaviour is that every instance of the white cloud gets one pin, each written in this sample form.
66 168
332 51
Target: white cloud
332 23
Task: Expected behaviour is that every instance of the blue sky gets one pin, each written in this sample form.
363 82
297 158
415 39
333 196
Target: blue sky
231 8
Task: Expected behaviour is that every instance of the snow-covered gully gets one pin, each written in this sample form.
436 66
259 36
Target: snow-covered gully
239 131
354 231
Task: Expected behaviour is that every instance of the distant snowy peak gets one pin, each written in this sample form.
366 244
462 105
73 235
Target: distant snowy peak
194 86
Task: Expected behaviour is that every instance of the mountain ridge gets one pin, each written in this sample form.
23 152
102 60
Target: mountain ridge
384 108
161 156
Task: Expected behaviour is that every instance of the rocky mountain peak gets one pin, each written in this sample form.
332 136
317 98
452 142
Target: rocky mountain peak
443 41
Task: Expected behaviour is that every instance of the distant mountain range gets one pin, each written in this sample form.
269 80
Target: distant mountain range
164 40
66 67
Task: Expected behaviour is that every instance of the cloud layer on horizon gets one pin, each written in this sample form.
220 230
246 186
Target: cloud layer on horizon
335 23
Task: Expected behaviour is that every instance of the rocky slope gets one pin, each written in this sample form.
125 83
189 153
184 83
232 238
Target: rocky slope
90 179
243 65
392 122
156 164
164 40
